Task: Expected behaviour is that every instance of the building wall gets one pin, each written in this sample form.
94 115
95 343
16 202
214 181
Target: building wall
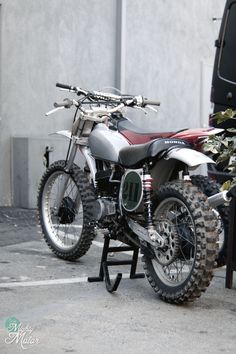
44 42
167 44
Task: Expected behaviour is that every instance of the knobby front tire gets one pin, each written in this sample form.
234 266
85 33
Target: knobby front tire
70 231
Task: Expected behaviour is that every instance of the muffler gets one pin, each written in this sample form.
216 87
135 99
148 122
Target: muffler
222 197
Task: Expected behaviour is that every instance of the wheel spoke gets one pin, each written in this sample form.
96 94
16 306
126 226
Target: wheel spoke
66 227
179 215
181 269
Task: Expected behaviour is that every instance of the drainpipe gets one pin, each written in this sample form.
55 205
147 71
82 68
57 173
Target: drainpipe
120 45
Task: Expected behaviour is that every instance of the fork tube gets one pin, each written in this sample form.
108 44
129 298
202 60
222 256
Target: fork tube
71 158
90 161
64 180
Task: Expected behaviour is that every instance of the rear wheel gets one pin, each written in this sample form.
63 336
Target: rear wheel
209 188
68 230
181 270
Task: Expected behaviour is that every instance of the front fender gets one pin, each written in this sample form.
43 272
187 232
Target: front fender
190 157
65 133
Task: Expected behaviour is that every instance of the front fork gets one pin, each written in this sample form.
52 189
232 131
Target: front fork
64 180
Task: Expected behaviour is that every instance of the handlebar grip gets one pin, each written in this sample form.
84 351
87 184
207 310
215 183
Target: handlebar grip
151 102
63 86
65 103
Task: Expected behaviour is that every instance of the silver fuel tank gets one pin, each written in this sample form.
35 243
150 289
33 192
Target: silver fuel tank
105 144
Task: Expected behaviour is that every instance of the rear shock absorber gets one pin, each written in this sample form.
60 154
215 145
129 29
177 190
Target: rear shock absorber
147 193
147 190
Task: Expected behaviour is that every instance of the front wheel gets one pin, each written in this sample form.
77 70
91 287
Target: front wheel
67 228
181 270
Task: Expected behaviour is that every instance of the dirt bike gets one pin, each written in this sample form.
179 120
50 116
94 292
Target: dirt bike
195 137
142 194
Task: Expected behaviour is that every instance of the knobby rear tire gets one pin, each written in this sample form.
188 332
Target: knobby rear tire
87 198
200 275
209 188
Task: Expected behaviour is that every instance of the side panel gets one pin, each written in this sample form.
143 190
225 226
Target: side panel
163 172
106 144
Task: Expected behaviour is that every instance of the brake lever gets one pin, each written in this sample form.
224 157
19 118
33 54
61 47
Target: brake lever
146 107
152 108
141 108
67 90
53 111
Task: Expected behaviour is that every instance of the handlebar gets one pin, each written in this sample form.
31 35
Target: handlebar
65 87
93 96
104 98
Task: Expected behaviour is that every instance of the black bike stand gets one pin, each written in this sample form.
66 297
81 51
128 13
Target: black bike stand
112 286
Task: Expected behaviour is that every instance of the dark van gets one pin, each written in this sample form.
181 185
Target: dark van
223 94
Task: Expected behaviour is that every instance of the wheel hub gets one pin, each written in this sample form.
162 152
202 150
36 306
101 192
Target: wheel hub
166 254
67 211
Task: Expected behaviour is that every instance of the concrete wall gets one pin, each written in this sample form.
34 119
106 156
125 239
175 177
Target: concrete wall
44 42
167 43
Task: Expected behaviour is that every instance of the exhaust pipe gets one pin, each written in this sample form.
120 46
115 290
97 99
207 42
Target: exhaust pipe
222 197
218 199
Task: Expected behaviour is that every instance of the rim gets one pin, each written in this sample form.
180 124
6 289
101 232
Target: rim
64 229
179 216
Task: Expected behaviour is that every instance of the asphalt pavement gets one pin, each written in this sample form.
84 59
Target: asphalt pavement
47 305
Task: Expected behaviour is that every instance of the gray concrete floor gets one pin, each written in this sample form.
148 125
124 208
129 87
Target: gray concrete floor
69 315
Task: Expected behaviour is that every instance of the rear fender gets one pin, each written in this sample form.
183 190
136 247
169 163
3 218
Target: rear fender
168 168
189 157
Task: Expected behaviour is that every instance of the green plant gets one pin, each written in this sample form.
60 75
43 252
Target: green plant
223 146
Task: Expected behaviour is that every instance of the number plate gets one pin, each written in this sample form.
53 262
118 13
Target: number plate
132 191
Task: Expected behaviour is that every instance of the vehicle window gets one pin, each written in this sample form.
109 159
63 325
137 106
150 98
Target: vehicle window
227 59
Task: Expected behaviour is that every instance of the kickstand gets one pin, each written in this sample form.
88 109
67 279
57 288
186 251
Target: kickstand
112 286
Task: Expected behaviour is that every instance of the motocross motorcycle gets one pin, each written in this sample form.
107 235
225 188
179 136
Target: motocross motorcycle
196 138
141 193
